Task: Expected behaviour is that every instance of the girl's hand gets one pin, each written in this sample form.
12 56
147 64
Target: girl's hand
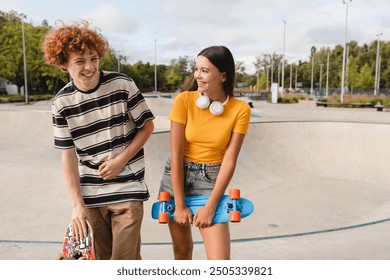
183 216
204 217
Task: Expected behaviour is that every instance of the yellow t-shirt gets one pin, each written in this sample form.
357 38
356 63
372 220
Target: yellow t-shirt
206 135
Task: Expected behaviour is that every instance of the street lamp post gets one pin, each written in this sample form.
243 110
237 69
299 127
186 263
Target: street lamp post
24 62
290 76
117 54
257 77
312 70
376 87
272 69
327 75
155 65
345 2
320 86
284 54
268 86
267 69
379 71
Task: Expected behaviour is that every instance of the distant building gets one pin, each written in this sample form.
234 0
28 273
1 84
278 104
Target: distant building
242 85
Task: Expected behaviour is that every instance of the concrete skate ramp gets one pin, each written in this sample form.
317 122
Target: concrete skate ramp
34 202
304 177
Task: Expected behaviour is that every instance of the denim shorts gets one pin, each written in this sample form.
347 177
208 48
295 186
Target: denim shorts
199 178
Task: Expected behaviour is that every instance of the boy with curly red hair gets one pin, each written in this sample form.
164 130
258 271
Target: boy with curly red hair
101 123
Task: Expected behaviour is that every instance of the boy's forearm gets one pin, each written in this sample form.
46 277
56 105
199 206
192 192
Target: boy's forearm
138 142
72 177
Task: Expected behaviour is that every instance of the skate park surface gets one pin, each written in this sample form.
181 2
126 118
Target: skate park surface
318 177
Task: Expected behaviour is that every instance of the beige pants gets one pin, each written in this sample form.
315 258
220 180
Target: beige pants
116 229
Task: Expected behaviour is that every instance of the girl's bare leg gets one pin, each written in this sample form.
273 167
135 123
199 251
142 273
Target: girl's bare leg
217 241
182 241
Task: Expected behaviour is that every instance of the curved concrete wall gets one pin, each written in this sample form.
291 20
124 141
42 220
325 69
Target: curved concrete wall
302 177
351 151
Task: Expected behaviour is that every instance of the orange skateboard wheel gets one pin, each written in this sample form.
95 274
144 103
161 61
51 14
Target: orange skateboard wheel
163 218
235 216
165 197
234 194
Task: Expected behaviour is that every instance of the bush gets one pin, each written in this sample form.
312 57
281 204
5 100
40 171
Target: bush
358 98
22 98
288 98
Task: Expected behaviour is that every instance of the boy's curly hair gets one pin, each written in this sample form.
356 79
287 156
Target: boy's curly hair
77 37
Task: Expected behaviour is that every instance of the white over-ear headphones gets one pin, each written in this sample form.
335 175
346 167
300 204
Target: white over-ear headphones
216 107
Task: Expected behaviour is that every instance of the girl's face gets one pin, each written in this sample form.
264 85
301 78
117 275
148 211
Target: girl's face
84 69
208 77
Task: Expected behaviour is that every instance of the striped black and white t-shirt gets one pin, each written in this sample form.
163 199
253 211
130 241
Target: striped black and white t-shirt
100 124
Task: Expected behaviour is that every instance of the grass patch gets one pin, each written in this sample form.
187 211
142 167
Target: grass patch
22 98
358 98
288 98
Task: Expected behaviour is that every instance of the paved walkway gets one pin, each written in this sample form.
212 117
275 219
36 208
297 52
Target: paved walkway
318 178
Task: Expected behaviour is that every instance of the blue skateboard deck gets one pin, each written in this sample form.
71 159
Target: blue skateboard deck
223 211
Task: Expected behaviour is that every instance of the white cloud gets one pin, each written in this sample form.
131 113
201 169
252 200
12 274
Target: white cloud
113 19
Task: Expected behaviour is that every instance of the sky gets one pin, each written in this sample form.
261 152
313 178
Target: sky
162 30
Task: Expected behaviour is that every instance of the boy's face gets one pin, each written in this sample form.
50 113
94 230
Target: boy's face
84 69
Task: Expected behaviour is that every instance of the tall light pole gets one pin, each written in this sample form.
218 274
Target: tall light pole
24 61
320 78
257 76
379 70
284 54
345 2
376 87
313 50
291 73
272 69
155 65
267 68
327 75
118 60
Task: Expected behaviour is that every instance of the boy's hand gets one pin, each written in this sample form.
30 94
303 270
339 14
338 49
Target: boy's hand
78 223
111 168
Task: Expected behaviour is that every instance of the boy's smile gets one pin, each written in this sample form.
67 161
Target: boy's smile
84 69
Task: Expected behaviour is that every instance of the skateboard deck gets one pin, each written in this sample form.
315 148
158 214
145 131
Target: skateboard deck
231 208
82 249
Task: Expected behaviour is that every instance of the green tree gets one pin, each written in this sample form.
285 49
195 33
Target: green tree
262 82
110 62
41 77
366 79
178 72
172 80
385 65
353 75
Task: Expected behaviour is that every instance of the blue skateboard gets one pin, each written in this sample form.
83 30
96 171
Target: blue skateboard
230 207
